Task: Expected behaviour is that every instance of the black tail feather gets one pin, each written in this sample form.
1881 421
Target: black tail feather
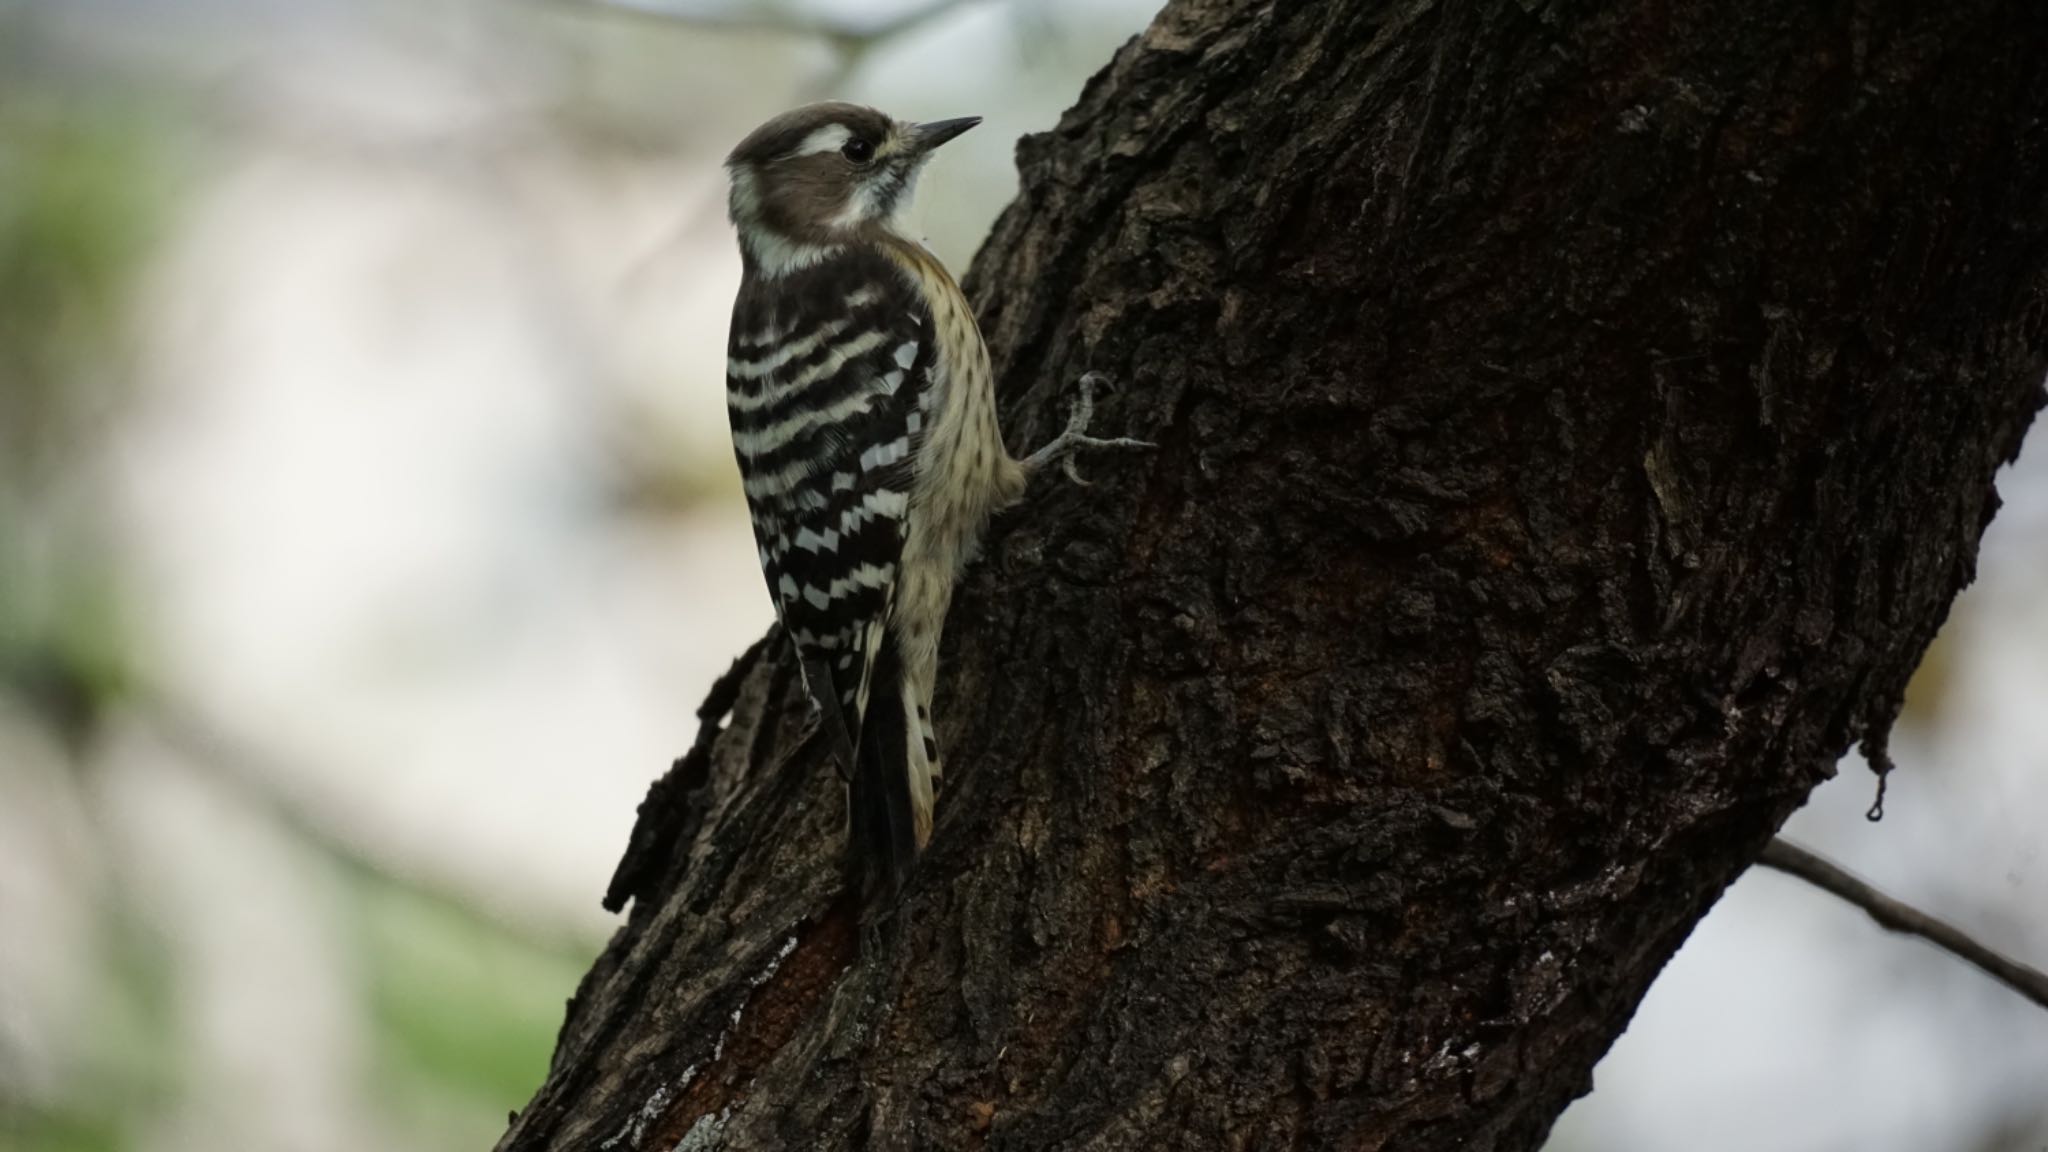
831 717
883 831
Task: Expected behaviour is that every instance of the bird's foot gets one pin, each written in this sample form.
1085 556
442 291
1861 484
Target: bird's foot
1062 448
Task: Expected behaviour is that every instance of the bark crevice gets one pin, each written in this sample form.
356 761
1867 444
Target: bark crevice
1575 420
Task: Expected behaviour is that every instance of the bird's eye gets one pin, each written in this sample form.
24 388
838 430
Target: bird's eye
858 150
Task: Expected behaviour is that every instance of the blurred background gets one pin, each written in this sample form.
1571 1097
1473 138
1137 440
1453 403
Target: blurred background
369 534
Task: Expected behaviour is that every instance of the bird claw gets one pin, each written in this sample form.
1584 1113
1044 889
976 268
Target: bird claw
1075 437
1091 380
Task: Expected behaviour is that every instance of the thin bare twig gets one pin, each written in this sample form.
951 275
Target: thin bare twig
1793 860
847 35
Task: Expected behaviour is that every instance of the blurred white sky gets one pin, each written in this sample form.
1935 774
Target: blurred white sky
438 270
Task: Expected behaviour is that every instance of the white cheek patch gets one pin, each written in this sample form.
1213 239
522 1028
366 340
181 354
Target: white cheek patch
905 197
830 138
882 199
860 207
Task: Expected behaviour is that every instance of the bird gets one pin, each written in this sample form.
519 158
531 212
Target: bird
863 418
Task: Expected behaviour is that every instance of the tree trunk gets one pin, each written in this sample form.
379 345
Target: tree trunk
1575 420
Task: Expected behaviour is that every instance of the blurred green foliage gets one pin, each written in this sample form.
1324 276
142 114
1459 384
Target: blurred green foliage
129 1071
76 212
461 1011
465 1010
59 1132
76 215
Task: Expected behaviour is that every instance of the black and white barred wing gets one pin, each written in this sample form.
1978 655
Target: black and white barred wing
826 370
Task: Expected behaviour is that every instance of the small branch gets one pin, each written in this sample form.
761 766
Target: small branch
848 36
1791 859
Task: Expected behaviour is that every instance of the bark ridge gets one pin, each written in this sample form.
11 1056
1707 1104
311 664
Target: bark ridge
1575 420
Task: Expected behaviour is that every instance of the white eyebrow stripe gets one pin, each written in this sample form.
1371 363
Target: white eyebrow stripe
830 138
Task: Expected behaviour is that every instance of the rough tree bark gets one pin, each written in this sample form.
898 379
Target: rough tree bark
1576 418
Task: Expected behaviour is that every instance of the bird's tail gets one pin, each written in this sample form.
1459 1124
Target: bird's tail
883 833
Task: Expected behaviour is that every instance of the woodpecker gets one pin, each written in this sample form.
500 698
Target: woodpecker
864 421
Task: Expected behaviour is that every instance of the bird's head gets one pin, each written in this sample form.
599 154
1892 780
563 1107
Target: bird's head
825 174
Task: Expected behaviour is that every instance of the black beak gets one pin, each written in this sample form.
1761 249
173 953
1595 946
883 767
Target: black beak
930 136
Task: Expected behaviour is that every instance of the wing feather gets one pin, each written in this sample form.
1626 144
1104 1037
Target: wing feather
826 368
